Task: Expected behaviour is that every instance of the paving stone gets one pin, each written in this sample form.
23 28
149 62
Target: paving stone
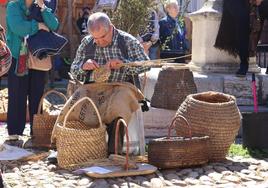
157 183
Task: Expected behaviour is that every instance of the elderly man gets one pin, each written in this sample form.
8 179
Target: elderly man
109 47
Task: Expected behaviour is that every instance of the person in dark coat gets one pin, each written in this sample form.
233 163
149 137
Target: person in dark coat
236 28
82 23
233 35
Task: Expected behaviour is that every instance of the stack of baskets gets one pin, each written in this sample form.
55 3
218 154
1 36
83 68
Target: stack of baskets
77 142
43 123
214 114
173 152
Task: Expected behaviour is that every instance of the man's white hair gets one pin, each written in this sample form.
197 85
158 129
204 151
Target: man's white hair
169 3
98 20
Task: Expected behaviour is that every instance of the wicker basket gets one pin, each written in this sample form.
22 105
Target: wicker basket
214 114
173 85
43 123
4 105
173 152
77 142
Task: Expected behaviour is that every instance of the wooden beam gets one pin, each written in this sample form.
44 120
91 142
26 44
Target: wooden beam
70 28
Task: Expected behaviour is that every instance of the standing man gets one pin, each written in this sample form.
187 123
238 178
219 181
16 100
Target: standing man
109 47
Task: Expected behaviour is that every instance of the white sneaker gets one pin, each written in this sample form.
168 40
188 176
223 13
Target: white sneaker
13 137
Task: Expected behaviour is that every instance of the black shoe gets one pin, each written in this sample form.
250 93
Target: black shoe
266 71
241 73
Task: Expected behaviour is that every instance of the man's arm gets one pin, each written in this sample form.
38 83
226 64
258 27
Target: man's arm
136 53
76 67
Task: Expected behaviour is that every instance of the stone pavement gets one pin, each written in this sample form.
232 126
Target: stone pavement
234 172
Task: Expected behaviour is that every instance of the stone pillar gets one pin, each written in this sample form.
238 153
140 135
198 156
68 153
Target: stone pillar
205 57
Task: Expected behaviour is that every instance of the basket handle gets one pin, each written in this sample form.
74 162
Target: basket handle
116 140
78 102
46 94
173 124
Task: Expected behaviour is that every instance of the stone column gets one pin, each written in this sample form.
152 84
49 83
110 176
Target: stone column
205 57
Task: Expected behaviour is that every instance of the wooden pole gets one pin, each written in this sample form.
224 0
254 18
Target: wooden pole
70 28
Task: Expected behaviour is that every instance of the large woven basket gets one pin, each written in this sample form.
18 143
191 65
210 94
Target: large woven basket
43 123
214 114
173 152
173 85
77 142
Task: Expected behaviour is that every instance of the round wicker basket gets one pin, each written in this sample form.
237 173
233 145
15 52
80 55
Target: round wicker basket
173 85
43 123
214 114
77 142
173 152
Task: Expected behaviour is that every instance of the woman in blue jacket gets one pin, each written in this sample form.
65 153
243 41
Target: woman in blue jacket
24 83
173 40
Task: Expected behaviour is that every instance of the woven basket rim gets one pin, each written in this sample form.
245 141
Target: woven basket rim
231 98
60 125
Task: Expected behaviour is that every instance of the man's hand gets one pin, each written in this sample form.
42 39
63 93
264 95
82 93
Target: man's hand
42 26
114 64
40 3
90 65
146 46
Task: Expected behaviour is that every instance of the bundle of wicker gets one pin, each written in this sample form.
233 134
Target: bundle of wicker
173 152
43 123
172 87
214 114
77 142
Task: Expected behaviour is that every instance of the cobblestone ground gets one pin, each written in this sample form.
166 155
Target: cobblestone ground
235 172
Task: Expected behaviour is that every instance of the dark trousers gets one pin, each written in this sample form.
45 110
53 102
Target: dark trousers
20 88
240 11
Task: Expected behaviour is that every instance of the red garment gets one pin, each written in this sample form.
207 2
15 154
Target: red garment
3 2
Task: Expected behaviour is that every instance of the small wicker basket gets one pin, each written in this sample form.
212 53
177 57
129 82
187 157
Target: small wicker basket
43 123
173 152
78 143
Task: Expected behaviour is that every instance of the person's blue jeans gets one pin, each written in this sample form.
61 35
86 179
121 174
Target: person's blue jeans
153 52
